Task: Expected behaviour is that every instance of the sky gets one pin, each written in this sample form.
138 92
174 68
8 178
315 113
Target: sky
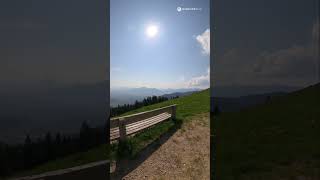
257 43
175 54
265 43
53 65
52 42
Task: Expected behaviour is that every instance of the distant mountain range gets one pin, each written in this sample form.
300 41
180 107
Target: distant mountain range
238 91
63 108
120 96
51 109
229 98
179 94
229 104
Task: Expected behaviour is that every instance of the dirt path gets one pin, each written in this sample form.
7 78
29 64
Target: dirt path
186 155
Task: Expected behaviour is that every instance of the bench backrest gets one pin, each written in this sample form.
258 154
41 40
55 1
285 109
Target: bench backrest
119 124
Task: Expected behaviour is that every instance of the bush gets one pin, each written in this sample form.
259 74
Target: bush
125 148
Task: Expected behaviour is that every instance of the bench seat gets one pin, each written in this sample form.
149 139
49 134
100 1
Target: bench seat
139 125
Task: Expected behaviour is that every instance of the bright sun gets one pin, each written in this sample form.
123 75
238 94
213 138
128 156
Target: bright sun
152 31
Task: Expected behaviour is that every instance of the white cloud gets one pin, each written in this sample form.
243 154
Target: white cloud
204 40
115 69
202 81
181 78
291 66
295 65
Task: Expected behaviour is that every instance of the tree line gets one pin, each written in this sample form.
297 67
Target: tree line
34 152
121 109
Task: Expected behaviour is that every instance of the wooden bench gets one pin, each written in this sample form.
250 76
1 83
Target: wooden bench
121 127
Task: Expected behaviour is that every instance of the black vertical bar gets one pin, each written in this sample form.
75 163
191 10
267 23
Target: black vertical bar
107 35
318 36
212 129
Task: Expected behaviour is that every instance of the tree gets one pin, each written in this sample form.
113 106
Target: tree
48 147
27 152
58 139
85 136
216 111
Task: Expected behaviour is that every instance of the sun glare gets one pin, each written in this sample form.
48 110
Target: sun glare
152 31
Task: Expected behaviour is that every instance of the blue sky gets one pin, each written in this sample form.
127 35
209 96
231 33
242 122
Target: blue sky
176 57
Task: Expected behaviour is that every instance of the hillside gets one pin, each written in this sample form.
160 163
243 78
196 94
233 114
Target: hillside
187 106
178 94
120 96
271 141
185 154
53 109
198 102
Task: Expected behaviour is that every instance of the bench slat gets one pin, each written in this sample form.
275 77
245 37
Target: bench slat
143 125
114 133
140 121
138 126
148 119
137 129
114 137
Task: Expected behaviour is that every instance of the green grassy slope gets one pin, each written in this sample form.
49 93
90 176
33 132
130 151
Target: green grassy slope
261 139
187 106
195 103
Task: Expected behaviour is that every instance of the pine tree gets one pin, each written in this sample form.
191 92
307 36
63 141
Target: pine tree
27 152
